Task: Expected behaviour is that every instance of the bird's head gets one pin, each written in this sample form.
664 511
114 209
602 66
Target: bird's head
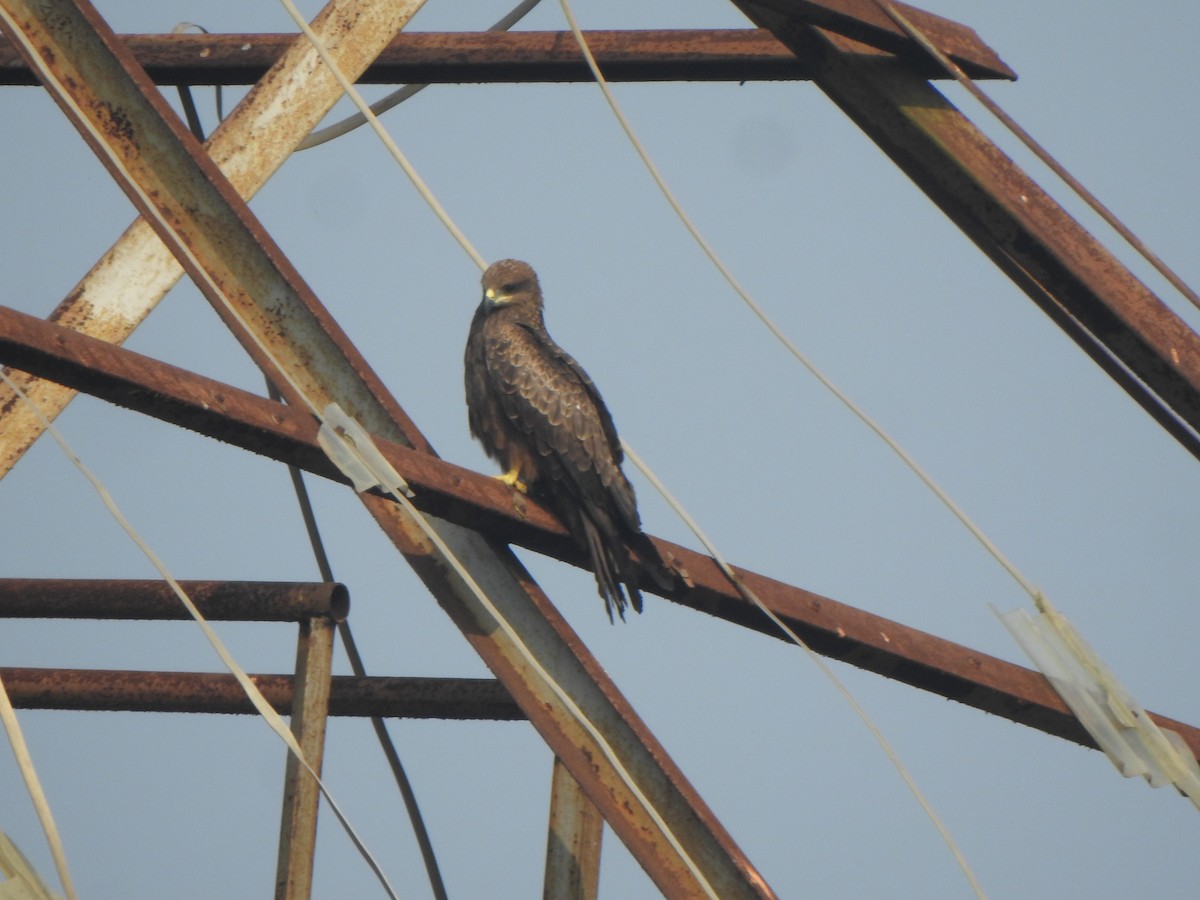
511 282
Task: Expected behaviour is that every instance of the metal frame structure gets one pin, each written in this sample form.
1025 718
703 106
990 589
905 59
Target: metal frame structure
194 219
316 608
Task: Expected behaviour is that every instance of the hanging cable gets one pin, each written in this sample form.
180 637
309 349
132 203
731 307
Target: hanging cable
991 548
742 589
775 330
956 72
565 698
364 108
745 591
398 96
466 245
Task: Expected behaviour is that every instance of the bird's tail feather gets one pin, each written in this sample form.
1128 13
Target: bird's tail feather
609 572
613 565
664 575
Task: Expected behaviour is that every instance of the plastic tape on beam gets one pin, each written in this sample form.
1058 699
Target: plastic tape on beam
351 448
1120 726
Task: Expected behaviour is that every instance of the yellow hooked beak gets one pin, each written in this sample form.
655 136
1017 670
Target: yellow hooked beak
495 298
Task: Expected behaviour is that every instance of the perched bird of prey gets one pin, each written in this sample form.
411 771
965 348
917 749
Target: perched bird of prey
537 412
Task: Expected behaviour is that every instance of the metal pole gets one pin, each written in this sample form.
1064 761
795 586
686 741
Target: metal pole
237 601
735 54
573 843
213 692
301 795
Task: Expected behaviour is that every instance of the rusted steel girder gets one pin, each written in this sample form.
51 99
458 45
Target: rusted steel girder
743 54
864 22
131 278
200 692
1128 331
301 793
572 842
229 601
459 495
518 633
252 422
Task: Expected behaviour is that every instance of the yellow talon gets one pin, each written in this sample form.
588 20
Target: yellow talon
513 479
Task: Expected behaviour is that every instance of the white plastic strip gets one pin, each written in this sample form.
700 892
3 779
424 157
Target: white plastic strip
1127 735
23 882
351 448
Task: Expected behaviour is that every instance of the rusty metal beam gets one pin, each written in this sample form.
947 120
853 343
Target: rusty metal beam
131 278
229 601
254 423
459 495
201 692
743 54
518 633
1128 331
573 841
863 22
301 793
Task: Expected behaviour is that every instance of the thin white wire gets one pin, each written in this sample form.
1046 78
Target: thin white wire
513 635
398 96
1034 147
363 107
750 302
33 785
823 666
264 708
886 746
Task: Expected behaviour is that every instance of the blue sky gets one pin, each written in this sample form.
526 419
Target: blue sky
1089 497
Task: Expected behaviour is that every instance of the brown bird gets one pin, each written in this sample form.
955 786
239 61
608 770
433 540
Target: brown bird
537 412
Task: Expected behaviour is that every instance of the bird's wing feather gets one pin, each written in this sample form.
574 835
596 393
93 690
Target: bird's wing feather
551 399
484 414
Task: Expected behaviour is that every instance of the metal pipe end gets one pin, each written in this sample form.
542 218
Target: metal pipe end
339 602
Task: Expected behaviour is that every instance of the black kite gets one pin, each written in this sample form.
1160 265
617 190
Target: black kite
536 411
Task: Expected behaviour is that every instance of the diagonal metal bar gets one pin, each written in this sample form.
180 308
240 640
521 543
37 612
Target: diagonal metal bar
459 495
1128 331
518 633
741 54
249 145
